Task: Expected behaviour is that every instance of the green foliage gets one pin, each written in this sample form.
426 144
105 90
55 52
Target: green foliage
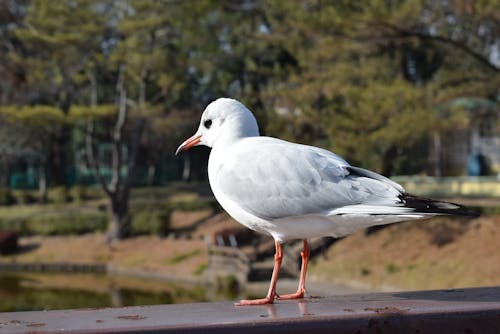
6 197
56 223
67 224
365 271
59 195
61 40
227 286
82 112
24 196
79 194
201 269
150 210
150 222
371 81
194 205
391 268
352 91
182 257
47 117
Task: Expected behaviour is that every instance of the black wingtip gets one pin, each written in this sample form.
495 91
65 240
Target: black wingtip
426 205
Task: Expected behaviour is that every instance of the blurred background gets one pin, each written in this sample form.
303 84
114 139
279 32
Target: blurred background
95 95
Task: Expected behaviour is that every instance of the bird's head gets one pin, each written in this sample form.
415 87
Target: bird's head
224 120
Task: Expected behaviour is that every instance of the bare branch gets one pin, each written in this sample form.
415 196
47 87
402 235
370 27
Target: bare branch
89 135
403 32
118 131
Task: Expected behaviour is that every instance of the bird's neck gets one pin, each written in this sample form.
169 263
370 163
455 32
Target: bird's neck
239 127
225 144
227 140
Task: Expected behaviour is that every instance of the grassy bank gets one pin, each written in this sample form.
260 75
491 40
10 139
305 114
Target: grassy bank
161 257
150 210
437 253
176 258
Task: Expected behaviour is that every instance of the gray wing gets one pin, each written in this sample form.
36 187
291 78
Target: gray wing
277 179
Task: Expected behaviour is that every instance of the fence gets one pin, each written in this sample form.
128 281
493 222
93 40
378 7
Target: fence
442 311
451 186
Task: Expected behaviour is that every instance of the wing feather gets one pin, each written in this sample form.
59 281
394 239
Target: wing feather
277 179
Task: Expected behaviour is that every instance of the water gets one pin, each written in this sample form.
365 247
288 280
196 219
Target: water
29 292
35 291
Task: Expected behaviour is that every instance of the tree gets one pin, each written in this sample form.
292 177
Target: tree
143 63
58 40
368 70
26 133
11 70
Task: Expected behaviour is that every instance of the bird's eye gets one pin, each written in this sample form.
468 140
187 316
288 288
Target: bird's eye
208 123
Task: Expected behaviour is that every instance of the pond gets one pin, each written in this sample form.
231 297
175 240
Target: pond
29 291
50 291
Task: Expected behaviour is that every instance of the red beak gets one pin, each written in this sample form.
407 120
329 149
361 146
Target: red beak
188 143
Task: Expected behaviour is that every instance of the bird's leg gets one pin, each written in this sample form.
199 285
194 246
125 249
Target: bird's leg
303 270
271 294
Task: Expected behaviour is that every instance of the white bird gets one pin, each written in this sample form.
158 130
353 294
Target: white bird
292 191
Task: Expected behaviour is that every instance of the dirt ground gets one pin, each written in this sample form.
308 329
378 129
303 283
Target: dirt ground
173 257
432 254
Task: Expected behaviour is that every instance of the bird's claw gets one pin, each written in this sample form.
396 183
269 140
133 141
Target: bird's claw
248 302
297 295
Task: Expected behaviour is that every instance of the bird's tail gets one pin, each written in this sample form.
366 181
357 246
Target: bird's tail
430 206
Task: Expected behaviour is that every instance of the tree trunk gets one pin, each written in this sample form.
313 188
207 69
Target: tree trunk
4 174
42 184
186 169
116 296
118 189
120 221
59 156
151 174
436 140
60 145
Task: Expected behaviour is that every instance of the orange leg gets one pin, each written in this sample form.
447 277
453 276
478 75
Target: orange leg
271 294
303 270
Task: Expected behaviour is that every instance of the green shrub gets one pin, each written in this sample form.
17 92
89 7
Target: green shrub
227 286
6 197
365 271
200 269
184 256
198 204
14 224
79 194
24 196
150 222
59 195
66 224
56 224
391 268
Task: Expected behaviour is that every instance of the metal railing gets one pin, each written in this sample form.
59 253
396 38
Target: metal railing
474 310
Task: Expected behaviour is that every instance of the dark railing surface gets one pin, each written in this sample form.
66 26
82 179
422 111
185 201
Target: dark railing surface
474 310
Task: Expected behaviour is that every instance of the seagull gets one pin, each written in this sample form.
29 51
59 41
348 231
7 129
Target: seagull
292 191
